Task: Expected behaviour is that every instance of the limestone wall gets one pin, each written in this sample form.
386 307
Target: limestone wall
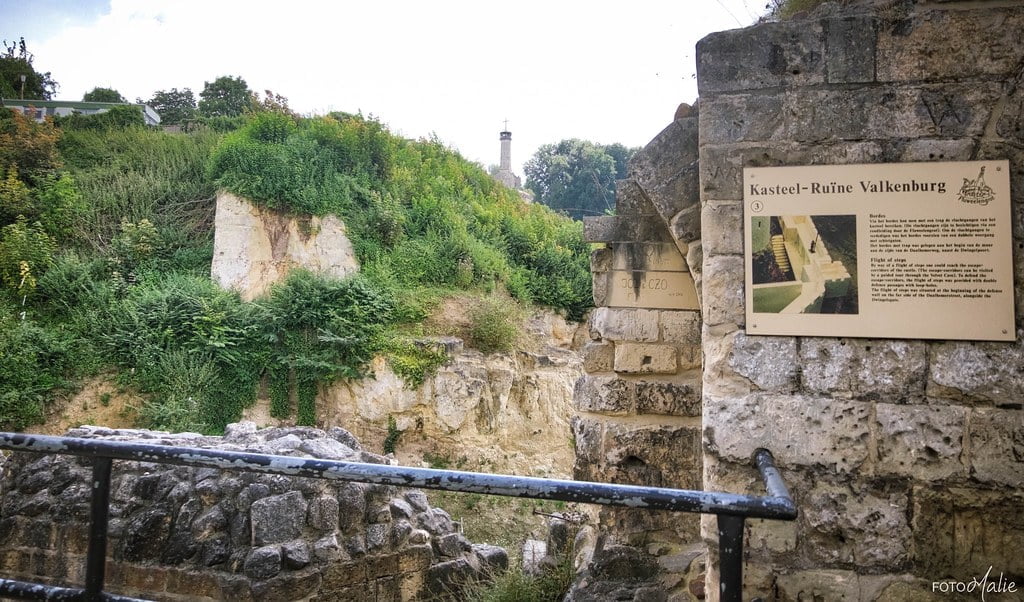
638 404
253 248
906 457
179 533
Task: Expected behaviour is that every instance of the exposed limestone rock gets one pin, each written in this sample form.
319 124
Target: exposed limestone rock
253 248
200 533
508 411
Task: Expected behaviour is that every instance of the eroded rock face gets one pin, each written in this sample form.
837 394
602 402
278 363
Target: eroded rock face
508 411
253 248
201 533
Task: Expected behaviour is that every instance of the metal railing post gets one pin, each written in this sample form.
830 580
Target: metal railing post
96 561
730 558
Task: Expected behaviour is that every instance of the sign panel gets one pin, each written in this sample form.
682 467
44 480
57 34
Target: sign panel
907 250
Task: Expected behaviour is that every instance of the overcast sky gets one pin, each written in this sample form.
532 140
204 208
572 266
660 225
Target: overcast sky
601 71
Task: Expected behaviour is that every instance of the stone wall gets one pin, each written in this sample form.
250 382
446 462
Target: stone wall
179 533
638 404
906 457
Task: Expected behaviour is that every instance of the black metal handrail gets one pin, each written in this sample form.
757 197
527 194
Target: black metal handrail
732 509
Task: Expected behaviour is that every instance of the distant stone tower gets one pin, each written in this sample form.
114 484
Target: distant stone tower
505 175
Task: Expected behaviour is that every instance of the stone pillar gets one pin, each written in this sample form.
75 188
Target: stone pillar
905 457
638 404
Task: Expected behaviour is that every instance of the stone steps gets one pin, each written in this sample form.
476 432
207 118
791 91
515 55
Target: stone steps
779 249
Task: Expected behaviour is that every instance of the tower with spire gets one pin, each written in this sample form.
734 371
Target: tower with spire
505 175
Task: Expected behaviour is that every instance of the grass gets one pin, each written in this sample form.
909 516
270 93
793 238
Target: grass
127 286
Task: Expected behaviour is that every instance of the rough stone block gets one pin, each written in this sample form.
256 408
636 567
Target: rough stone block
278 518
289 586
588 436
890 371
631 228
647 257
805 431
769 363
743 118
973 372
691 357
1010 125
604 228
194 583
722 228
601 260
666 169
950 110
766 537
722 284
670 398
850 50
639 358
997 446
908 54
630 200
604 394
927 149
598 356
1002 150
922 442
819 585
764 56
722 165
415 558
854 523
263 563
323 513
899 587
655 456
659 456
614 324
960 532
685 226
338 575
599 284
720 379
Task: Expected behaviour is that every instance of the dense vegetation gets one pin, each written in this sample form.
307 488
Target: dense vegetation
106 242
577 177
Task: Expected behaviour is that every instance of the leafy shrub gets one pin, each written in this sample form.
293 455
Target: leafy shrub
413 361
392 437
15 197
115 118
418 213
158 321
188 380
34 363
59 205
25 253
494 326
29 146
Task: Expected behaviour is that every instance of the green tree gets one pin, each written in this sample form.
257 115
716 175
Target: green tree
15 62
103 95
271 102
225 96
577 177
174 106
